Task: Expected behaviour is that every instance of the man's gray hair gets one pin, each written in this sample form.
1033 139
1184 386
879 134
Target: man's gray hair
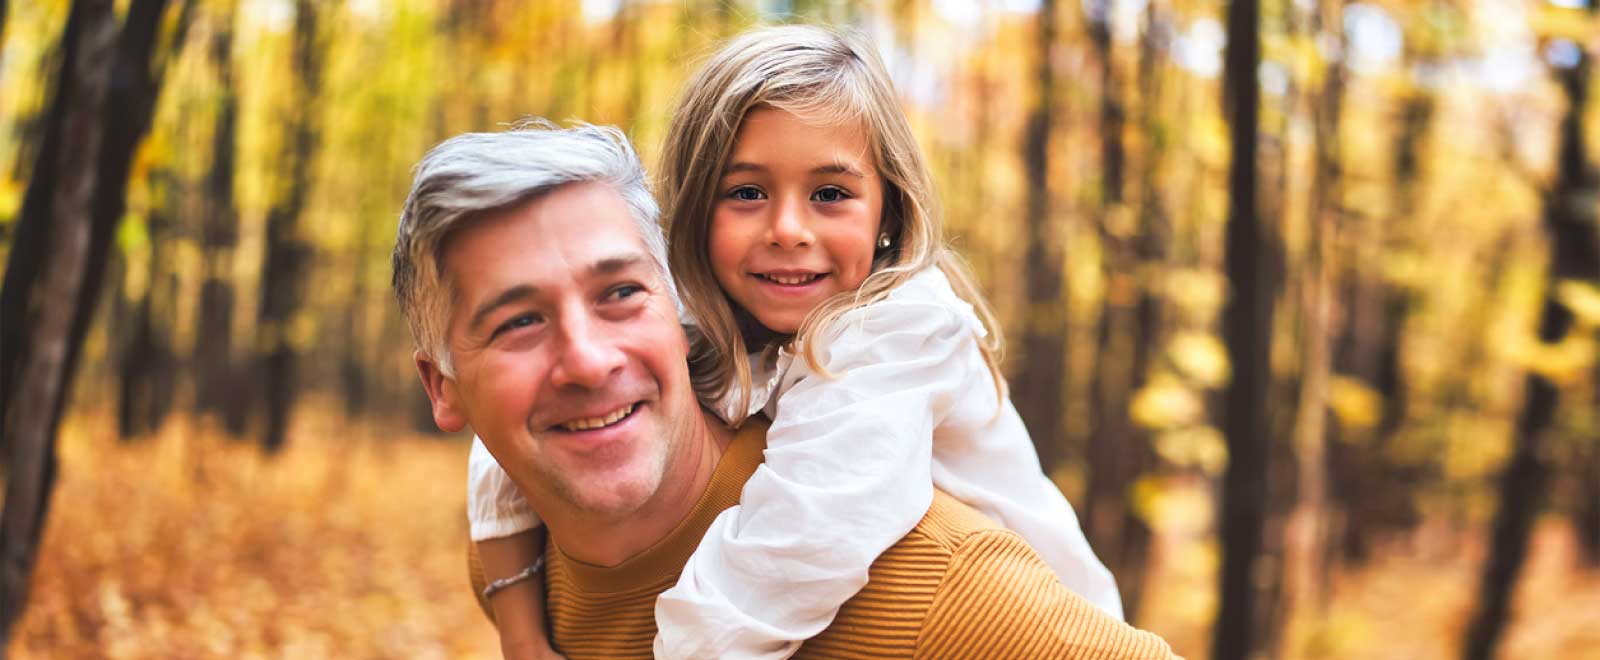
474 173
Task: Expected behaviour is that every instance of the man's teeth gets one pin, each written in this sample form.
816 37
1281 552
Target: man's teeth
793 279
598 422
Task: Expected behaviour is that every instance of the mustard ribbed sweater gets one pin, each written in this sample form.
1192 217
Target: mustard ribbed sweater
957 586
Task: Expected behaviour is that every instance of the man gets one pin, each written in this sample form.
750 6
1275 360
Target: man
532 272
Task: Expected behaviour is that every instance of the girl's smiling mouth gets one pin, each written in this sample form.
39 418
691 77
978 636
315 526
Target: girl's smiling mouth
789 278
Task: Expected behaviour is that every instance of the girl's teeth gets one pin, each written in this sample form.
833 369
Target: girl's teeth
791 279
598 422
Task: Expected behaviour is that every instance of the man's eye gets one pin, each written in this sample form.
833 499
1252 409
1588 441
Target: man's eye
521 321
624 292
747 194
830 194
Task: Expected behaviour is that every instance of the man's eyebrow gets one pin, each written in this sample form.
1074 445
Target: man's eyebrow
604 266
506 297
617 264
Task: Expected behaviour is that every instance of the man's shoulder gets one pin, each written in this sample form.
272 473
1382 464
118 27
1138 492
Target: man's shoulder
951 523
998 598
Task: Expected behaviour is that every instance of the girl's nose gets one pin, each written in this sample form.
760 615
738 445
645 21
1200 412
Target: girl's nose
789 228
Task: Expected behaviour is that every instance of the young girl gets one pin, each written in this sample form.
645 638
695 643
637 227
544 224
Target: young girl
804 237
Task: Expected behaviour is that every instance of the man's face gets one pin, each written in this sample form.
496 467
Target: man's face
570 362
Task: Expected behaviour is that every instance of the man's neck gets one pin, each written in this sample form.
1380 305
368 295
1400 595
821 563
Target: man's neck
612 542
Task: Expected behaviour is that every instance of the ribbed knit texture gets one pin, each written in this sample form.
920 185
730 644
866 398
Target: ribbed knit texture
957 586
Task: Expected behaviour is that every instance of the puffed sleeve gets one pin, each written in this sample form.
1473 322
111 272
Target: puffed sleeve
847 474
495 507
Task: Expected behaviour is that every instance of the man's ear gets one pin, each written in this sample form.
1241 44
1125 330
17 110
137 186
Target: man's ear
447 412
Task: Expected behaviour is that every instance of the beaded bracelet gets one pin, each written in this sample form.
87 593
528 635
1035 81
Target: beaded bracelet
532 570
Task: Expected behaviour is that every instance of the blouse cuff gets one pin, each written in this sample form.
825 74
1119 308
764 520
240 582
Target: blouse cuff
484 530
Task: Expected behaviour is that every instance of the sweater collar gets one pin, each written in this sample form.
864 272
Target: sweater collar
666 557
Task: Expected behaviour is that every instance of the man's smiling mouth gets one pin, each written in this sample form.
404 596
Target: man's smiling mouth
591 423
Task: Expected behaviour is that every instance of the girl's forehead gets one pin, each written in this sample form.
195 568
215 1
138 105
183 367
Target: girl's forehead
769 132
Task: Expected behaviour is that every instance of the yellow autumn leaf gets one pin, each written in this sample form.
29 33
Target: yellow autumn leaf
1582 298
1562 23
1201 357
1165 403
1563 362
1357 406
1199 447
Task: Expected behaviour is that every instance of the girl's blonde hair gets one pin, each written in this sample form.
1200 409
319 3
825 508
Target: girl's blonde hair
822 76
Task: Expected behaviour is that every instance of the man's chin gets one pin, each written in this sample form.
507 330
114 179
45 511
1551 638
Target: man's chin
614 487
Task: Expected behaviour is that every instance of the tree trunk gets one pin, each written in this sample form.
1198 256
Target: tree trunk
1247 330
1371 493
147 362
1041 383
135 79
1115 448
288 255
352 370
219 389
1570 221
1587 518
1307 525
42 359
3 12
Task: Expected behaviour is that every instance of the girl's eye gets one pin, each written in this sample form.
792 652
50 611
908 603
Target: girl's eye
521 321
830 194
747 194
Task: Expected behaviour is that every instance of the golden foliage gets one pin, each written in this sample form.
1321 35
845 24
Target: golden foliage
1410 601
190 545
1355 404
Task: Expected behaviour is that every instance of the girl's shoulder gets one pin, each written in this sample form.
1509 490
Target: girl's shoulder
924 303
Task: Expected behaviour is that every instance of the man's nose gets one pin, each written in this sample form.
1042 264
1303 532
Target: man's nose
790 227
589 356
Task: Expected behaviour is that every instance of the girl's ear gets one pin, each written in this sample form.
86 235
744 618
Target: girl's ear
447 412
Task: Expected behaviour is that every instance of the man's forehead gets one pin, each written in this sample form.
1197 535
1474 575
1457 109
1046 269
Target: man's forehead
583 228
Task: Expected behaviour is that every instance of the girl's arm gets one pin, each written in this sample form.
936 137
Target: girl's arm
509 538
519 608
847 474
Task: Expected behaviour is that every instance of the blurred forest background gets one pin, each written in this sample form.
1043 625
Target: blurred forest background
1303 299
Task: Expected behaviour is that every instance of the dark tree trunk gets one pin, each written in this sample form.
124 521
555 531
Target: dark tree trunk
3 12
1116 449
1247 330
1587 518
131 93
352 371
1306 529
218 385
288 255
1571 223
1151 249
55 284
1041 383
1371 494
148 364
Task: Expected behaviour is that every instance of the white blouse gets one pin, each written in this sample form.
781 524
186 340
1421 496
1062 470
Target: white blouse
849 470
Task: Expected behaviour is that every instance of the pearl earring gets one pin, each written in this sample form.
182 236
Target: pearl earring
883 240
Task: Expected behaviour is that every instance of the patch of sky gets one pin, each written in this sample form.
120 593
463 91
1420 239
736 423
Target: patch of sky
597 11
1563 54
1199 48
1375 40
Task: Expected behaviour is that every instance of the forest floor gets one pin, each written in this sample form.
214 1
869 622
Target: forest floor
350 542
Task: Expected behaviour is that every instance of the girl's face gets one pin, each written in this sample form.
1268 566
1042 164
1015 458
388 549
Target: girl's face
796 217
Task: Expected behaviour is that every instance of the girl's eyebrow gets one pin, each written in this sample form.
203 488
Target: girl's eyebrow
831 168
838 168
